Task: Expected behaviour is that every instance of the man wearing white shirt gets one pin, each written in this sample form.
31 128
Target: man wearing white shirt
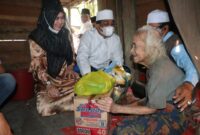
100 46
86 22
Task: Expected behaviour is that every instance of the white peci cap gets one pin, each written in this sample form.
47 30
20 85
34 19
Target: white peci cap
157 16
105 14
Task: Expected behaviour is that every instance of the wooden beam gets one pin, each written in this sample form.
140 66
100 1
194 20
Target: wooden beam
19 10
18 18
102 4
129 27
27 3
23 35
71 3
143 7
13 32
9 23
13 28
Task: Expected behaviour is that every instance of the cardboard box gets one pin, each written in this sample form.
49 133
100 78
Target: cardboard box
89 119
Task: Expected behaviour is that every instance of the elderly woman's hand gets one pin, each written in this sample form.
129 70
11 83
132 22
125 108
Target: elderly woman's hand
106 104
53 92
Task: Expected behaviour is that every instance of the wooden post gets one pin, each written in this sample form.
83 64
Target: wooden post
129 27
101 4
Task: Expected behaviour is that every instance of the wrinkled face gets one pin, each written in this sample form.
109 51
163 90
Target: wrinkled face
138 50
59 22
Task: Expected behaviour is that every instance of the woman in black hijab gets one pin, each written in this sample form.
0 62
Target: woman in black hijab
52 60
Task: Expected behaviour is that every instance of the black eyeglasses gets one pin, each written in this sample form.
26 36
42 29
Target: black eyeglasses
163 24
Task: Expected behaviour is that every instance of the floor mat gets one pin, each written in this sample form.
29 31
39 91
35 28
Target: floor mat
69 130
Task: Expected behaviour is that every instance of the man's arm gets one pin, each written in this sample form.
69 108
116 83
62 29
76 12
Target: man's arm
183 61
184 91
83 55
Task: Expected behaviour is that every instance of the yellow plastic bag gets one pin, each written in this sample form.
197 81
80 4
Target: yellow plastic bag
94 83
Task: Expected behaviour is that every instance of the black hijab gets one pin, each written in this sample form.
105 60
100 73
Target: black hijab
56 45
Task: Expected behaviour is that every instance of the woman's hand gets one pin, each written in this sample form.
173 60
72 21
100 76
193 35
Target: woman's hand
52 91
106 104
42 75
70 74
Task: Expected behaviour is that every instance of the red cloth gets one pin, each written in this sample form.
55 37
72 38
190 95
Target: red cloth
69 130
189 131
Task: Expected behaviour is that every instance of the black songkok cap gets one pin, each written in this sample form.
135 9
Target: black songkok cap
85 11
93 19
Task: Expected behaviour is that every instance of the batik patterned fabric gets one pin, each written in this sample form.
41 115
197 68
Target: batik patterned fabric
62 84
169 121
193 113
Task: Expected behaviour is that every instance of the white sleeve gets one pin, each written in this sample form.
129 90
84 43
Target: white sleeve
83 54
118 52
82 30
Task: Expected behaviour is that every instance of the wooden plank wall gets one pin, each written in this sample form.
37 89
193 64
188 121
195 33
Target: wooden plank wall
129 27
17 19
143 7
15 55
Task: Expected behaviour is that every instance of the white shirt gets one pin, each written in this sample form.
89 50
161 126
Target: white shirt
85 27
96 51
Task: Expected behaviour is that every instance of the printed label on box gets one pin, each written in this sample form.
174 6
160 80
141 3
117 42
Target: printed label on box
90 131
89 110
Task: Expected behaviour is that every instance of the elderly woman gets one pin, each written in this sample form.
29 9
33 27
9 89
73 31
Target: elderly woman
52 60
156 114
